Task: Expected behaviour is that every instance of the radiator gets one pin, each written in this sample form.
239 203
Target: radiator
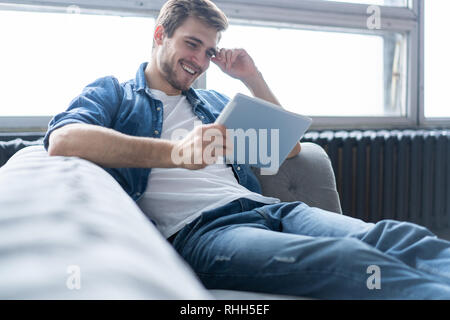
402 175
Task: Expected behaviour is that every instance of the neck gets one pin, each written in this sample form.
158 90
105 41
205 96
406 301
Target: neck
155 80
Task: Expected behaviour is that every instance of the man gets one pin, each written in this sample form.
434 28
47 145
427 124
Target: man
214 214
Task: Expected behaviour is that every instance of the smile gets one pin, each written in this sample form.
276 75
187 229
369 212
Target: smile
188 69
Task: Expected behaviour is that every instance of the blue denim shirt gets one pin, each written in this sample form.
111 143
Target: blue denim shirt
130 108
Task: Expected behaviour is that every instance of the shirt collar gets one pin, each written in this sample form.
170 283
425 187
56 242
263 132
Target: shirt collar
193 97
141 82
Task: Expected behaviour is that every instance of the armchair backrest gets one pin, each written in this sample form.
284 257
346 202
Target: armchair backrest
307 177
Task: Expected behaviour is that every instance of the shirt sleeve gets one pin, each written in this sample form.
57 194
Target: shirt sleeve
97 104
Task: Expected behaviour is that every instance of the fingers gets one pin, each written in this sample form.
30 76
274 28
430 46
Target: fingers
216 142
227 57
204 146
228 54
216 136
219 59
234 55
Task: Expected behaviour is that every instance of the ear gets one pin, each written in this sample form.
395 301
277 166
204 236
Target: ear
159 34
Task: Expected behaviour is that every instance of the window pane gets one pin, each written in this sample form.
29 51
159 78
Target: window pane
322 73
437 63
47 58
393 3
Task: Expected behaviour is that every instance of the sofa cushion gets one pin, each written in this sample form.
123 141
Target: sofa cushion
69 231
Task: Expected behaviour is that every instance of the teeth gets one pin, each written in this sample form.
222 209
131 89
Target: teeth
188 69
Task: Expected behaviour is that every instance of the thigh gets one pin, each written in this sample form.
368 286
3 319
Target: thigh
299 218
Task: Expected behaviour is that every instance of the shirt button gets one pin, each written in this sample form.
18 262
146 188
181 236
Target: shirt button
156 131
202 117
138 194
239 168
159 108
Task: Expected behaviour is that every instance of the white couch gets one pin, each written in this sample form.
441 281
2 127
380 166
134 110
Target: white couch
69 231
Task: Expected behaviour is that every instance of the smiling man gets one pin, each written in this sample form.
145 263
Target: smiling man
214 214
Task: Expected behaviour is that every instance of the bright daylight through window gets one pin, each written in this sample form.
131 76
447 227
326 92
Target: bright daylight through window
323 73
324 67
48 58
394 3
437 63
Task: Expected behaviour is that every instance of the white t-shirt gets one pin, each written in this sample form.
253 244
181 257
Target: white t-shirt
176 196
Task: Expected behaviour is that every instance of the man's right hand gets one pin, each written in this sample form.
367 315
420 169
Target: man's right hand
201 147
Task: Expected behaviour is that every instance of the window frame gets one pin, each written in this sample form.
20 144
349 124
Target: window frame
297 14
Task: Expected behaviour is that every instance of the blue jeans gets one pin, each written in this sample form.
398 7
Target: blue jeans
293 249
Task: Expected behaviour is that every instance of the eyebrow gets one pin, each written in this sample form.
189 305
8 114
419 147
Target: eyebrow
214 50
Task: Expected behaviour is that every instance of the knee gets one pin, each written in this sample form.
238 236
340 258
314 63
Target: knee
403 229
387 234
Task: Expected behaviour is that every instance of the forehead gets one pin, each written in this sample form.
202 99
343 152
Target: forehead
195 28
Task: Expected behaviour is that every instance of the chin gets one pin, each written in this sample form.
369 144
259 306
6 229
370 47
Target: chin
186 86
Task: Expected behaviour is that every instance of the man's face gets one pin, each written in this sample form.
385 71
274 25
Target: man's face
187 54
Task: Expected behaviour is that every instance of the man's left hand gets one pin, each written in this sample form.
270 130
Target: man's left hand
237 63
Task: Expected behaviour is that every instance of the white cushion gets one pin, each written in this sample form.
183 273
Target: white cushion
61 215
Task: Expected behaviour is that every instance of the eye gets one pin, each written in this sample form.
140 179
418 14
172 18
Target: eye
210 54
191 44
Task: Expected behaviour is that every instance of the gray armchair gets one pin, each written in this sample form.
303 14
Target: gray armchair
307 177
69 231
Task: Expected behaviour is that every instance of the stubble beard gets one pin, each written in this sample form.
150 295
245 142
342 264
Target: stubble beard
171 77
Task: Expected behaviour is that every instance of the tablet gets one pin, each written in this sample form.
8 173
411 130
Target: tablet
263 133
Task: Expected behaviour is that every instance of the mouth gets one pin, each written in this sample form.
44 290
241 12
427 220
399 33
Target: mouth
189 68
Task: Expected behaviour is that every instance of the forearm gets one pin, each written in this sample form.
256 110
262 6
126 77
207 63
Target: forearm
260 89
110 148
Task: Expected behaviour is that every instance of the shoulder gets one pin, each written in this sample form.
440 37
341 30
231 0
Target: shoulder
107 85
105 82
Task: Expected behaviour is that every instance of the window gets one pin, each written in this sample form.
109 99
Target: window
437 63
394 3
326 58
323 73
48 58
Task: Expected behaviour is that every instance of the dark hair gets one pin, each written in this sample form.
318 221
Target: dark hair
174 13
